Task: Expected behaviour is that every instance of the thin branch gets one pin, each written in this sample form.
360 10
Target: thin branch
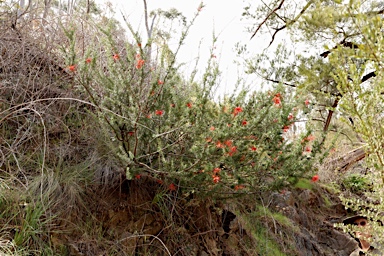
368 76
146 19
265 20
279 82
330 113
295 86
305 8
274 34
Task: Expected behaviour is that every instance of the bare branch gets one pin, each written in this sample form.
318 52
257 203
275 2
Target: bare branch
305 8
368 76
265 20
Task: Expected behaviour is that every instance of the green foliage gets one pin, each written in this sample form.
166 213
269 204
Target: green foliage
356 183
256 221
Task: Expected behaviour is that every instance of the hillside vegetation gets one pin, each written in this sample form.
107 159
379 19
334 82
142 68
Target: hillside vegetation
107 148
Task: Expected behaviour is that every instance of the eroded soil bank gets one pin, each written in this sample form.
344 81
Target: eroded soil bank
140 217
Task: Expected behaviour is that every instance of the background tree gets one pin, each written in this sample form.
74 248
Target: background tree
339 67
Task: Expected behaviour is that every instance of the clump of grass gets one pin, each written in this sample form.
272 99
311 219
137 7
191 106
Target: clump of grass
356 183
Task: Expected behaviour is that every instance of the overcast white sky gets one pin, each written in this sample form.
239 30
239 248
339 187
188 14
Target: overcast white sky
223 17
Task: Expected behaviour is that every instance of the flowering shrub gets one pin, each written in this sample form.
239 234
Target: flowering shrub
165 127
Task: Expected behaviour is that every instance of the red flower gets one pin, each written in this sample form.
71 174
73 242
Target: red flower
286 128
131 133
237 110
228 143
149 116
253 148
308 149
159 112
160 82
290 116
244 122
88 60
138 176
159 182
315 178
276 99
232 151
116 56
139 44
238 187
216 170
309 138
219 144
306 102
189 104
139 64
72 68
172 187
216 178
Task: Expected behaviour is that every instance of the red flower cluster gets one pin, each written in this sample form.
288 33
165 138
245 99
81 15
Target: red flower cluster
116 57
277 99
159 112
238 187
139 62
244 122
315 178
72 68
160 82
189 105
216 170
237 110
228 143
232 151
88 60
216 178
172 187
219 144
309 138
